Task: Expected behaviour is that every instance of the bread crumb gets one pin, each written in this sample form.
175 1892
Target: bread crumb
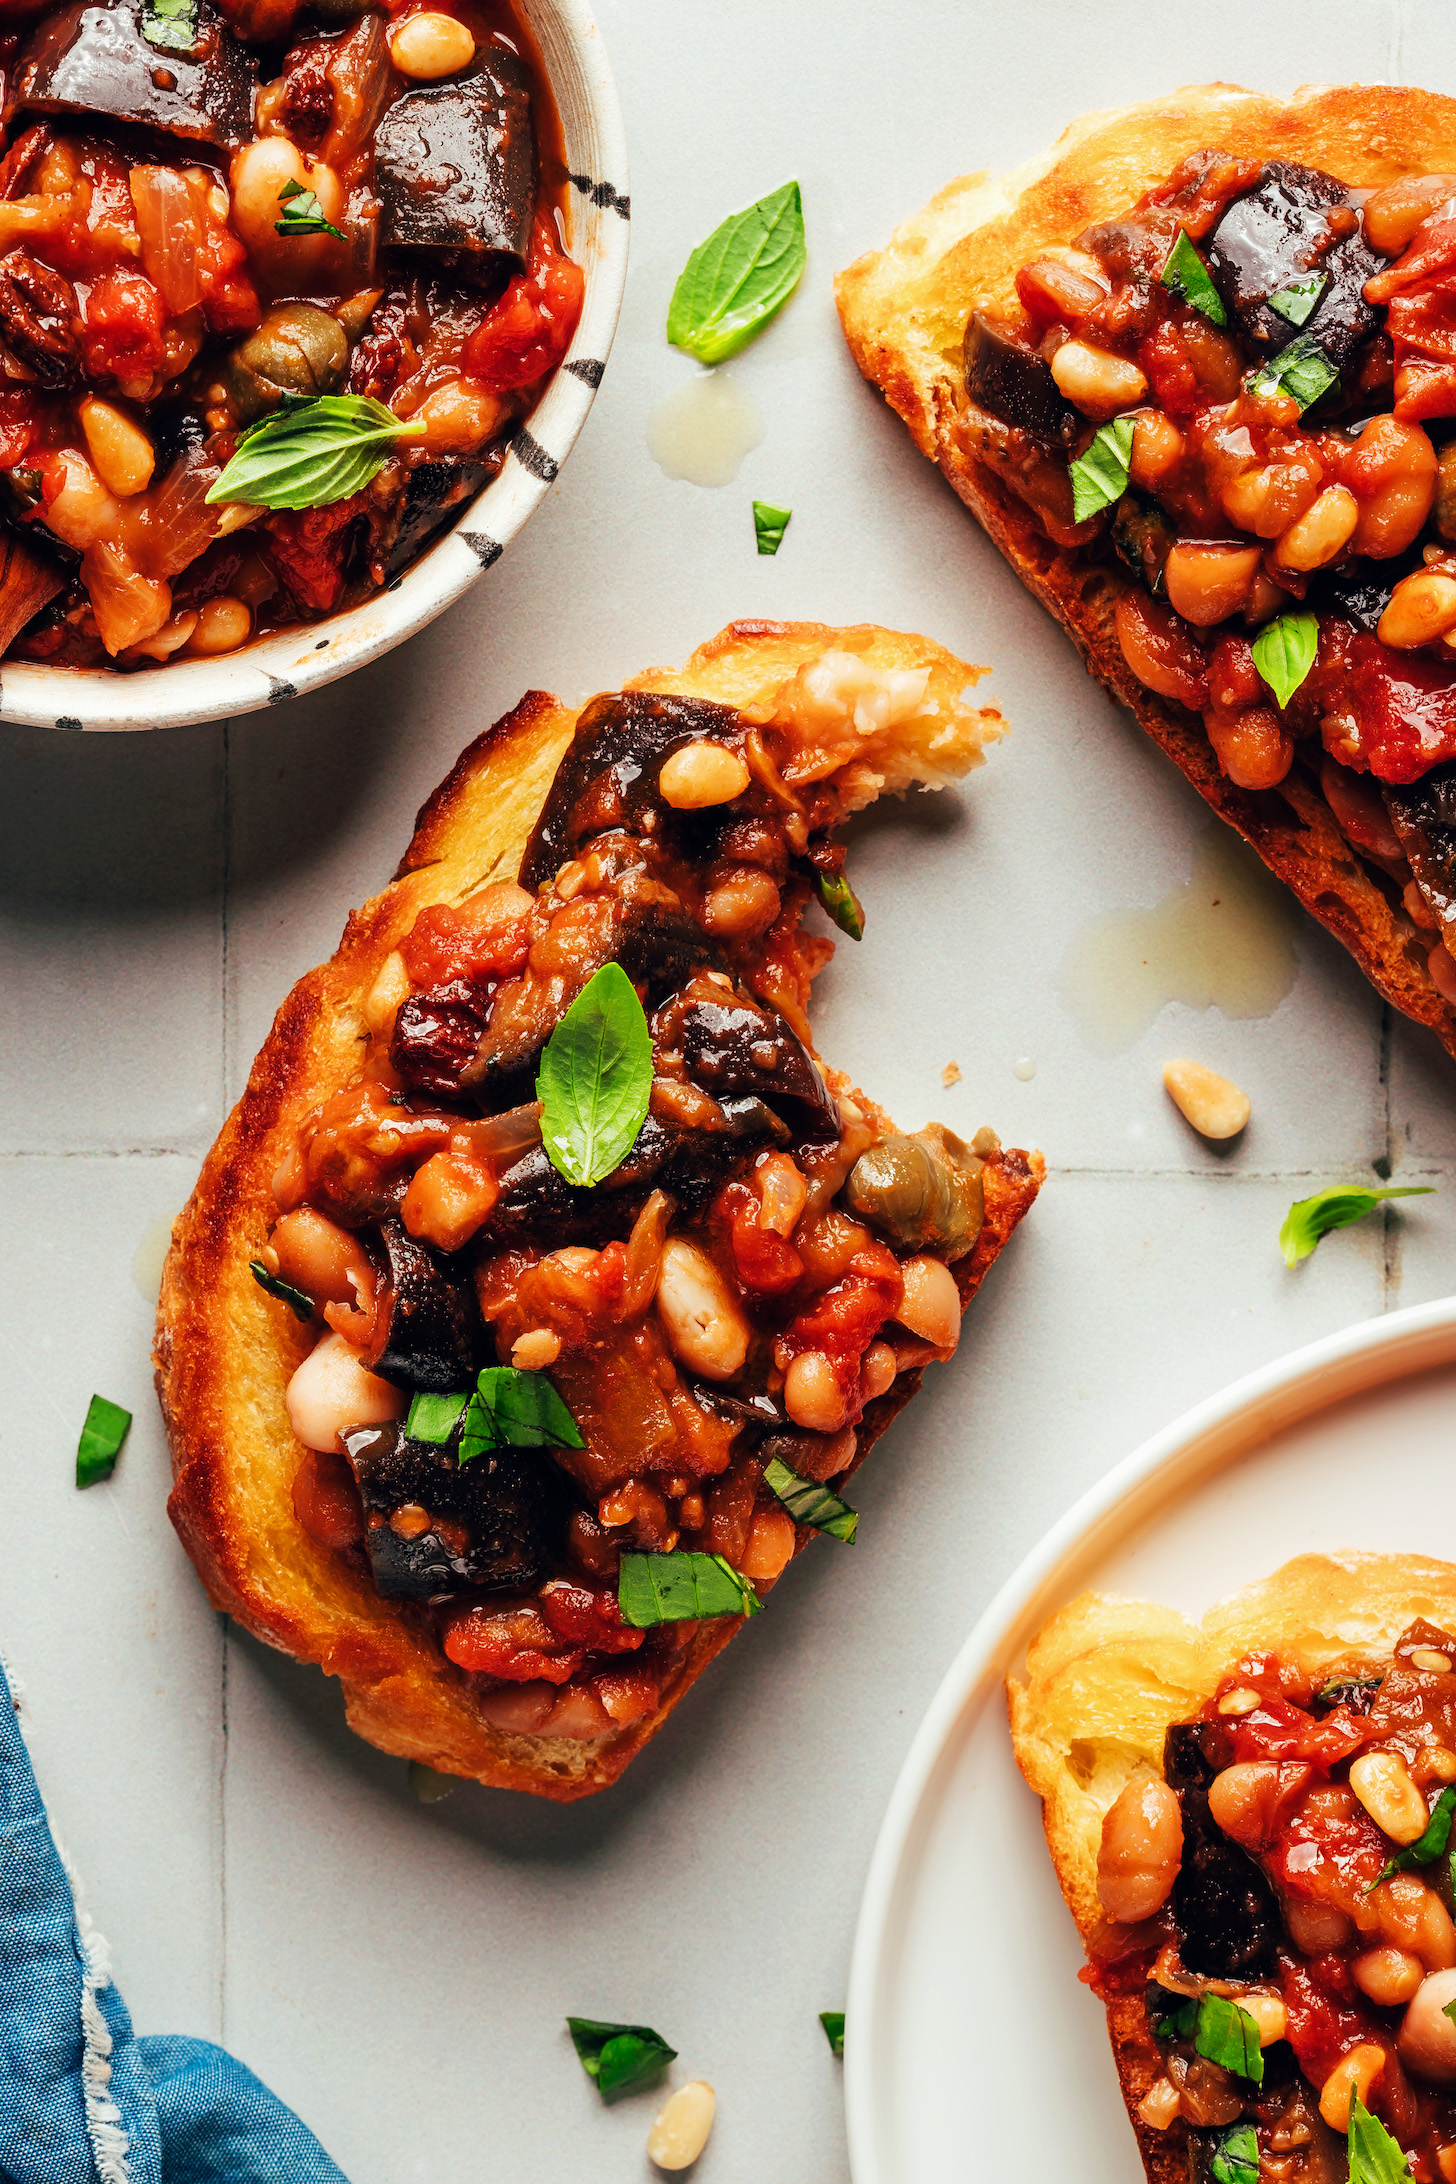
951 1074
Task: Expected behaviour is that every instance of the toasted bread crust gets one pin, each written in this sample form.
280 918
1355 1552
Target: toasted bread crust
225 1352
1105 1680
904 311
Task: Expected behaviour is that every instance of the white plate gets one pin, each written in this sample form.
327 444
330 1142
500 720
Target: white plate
972 2050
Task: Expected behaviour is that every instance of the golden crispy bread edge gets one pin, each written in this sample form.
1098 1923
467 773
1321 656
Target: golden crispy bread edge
904 310
1107 1677
224 1351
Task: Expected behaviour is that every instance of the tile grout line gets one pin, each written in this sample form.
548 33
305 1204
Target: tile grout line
1390 1232
225 1061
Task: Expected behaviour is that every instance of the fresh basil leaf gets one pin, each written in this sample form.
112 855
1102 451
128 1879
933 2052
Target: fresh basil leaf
1448 2009
841 901
1100 476
311 454
1335 1207
106 1427
1284 652
1302 371
432 1417
833 2023
1187 275
596 1079
1429 1845
515 1409
1375 2157
1172 2016
681 1588
1296 302
769 525
810 1503
1235 2159
302 213
297 1301
1228 2035
170 25
733 284
618 2057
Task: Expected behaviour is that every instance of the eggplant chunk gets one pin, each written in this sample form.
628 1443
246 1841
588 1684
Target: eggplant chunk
435 492
1010 380
1359 590
455 162
1227 1913
433 1339
435 1526
1297 224
85 59
537 1204
608 776
1424 818
731 1047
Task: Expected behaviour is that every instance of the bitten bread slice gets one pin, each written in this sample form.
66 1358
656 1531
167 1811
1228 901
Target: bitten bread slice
904 310
225 1351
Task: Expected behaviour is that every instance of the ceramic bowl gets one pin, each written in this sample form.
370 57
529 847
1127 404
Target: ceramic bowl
276 668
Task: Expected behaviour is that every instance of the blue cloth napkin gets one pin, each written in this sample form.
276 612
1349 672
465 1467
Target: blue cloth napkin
82 2099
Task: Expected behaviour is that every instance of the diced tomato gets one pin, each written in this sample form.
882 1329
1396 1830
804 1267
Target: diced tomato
17 427
309 549
1328 1856
1278 1730
516 1644
845 1320
529 330
1322 2026
474 942
1406 707
764 1260
229 300
124 316
326 1500
1164 357
587 1616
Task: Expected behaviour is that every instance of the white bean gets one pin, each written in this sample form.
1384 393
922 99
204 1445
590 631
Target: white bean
332 1390
704 1324
680 2130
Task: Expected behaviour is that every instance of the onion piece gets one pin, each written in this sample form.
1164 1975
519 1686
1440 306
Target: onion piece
516 1131
171 229
128 606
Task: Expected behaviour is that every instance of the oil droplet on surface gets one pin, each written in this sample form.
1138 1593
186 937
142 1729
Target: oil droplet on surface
146 1260
1023 1068
1223 939
703 429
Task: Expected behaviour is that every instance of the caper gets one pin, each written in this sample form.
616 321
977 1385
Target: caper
924 1192
298 350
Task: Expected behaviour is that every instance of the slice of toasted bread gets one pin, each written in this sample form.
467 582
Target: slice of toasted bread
225 1351
904 310
1105 1680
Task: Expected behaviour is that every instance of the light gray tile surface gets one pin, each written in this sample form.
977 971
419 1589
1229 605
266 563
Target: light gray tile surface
401 1973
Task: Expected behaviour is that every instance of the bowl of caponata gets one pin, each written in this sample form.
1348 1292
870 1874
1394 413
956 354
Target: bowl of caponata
302 306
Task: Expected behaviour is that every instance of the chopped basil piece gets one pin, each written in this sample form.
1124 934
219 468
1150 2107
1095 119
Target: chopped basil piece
833 2023
1428 1846
618 2057
1448 2009
1302 371
1348 1691
1335 1207
106 1427
1172 2016
596 1079
515 1409
681 1588
1187 275
736 281
171 25
841 901
1375 2157
1235 2159
1100 476
432 1417
1296 302
297 1301
810 1503
1284 653
311 454
769 525
1228 2035
303 214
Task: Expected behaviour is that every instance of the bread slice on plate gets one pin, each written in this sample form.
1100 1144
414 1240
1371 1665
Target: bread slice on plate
1197 384
1251 1823
544 1288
